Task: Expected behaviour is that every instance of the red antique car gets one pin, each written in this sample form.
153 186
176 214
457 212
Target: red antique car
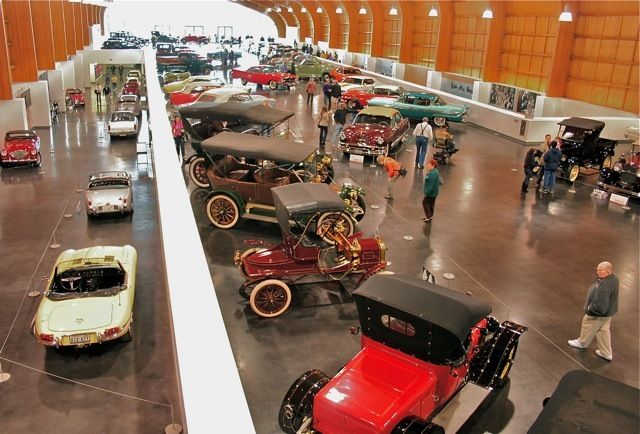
359 97
21 147
266 75
374 131
308 214
74 97
131 88
342 72
192 91
421 345
196 39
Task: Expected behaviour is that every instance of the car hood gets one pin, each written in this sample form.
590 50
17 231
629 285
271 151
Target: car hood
364 131
19 145
80 315
128 106
103 197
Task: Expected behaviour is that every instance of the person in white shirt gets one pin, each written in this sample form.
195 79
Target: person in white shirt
423 133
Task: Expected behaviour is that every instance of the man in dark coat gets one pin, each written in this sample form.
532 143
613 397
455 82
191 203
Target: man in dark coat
529 165
551 162
431 189
336 91
601 305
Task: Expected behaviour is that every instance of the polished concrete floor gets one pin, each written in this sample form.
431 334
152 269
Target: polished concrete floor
531 256
116 387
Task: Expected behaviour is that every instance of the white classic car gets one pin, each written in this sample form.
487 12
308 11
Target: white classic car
123 123
89 298
237 94
109 193
129 103
354 81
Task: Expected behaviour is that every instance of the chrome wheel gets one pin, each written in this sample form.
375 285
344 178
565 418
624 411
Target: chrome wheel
439 121
273 85
222 211
270 298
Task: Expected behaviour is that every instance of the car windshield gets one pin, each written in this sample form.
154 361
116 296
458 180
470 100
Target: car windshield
90 280
122 117
20 136
371 119
73 92
438 101
128 98
108 184
352 80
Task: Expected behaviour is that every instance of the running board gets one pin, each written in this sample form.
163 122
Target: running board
262 218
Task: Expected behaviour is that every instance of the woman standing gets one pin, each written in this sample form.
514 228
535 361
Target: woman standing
430 189
311 90
323 124
178 130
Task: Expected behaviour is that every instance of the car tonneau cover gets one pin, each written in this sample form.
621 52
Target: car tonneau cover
235 112
20 134
257 147
583 123
589 403
303 197
451 310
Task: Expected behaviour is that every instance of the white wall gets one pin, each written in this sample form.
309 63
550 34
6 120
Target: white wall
550 107
14 116
77 66
39 91
56 87
126 57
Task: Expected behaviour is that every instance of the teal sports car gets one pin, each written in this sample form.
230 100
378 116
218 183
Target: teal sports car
418 105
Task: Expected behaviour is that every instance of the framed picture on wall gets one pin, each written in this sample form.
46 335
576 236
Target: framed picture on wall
526 101
502 96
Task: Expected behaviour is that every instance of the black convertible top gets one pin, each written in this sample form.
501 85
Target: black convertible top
588 403
583 123
21 134
304 197
246 112
257 147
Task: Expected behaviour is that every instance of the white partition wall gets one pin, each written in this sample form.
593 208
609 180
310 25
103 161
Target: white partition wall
39 109
56 87
14 116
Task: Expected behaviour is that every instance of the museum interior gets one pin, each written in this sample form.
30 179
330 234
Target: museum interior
319 216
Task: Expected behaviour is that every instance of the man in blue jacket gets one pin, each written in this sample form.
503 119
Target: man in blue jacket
431 189
601 305
551 162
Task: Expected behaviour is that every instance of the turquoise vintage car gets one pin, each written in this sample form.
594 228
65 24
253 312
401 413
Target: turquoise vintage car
417 105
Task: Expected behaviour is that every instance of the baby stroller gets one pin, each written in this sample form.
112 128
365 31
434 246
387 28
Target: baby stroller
444 145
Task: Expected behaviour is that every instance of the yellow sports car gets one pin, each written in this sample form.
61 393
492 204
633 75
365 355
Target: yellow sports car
89 299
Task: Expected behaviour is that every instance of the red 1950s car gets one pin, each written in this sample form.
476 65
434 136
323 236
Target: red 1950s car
359 97
21 147
421 345
374 131
265 74
191 92
74 97
342 72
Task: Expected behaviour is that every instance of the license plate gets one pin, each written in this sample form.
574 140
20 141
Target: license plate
80 339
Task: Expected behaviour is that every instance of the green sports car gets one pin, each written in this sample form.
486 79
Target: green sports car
418 105
89 298
311 67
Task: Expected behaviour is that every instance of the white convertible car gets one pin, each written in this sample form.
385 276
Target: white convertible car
89 299
123 123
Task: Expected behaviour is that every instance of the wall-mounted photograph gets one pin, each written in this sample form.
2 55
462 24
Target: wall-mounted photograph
502 96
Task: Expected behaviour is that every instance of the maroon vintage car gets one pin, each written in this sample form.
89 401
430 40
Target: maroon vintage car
308 214
195 39
374 131
74 97
21 147
422 345
265 75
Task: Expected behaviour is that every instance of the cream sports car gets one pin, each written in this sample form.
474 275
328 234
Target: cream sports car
177 85
89 299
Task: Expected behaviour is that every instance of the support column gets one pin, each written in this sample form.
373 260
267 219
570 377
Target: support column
86 25
560 64
56 87
5 69
493 48
78 66
68 74
43 34
77 22
445 36
69 28
19 31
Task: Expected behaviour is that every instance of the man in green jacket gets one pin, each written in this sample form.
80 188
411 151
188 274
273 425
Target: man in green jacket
431 188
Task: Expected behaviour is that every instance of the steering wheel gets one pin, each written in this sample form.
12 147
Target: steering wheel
383 124
71 280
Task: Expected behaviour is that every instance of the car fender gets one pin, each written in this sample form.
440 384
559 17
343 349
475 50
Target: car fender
232 194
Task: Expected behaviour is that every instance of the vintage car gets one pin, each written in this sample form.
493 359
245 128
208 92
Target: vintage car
360 96
421 345
374 131
218 55
419 105
582 146
342 72
129 103
357 82
165 49
191 92
584 402
311 67
265 75
21 147
316 241
74 97
131 87
134 73
175 73
195 39
243 168
89 298
179 85
122 123
109 193
624 176
236 94
192 62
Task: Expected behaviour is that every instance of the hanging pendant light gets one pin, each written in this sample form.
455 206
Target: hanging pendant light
362 11
268 10
319 10
338 10
290 9
487 14
278 9
566 15
433 12
303 10
393 11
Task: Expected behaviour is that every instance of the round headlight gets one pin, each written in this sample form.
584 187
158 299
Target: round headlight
617 168
380 140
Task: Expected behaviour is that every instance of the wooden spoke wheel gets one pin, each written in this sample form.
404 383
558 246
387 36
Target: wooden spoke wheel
198 172
270 298
222 211
331 222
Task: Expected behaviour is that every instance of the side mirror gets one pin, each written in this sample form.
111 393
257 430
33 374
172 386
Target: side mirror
354 330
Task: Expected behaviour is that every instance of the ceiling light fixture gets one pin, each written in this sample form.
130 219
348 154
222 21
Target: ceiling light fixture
433 12
393 11
290 9
488 14
303 10
338 10
319 10
566 15
268 10
362 11
278 9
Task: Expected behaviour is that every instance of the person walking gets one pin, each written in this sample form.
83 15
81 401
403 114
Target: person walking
106 91
232 58
326 90
177 128
120 71
601 305
423 133
311 89
431 189
339 119
114 82
323 124
393 169
529 165
543 148
551 162
336 91
98 93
